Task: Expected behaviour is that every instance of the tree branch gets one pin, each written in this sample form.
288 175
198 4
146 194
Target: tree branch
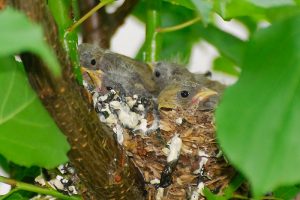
99 161
101 26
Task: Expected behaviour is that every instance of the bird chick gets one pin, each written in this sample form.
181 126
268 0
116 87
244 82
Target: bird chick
186 109
189 96
164 73
112 64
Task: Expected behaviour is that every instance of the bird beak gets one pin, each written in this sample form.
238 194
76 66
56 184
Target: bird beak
94 76
167 99
202 95
151 66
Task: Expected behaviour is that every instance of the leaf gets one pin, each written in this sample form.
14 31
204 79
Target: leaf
224 65
258 118
211 196
272 3
228 45
26 174
205 8
18 34
28 135
185 3
288 192
20 195
4 163
178 44
254 8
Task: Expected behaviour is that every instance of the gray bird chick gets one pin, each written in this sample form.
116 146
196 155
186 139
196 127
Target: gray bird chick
95 58
188 96
164 73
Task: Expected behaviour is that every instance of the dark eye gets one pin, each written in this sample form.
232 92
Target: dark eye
157 74
93 62
208 74
184 93
109 88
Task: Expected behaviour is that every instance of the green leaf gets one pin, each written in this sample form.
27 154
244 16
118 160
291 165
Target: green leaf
254 8
4 163
20 195
205 8
211 196
223 64
185 3
26 174
258 118
18 34
28 135
177 45
287 193
228 45
272 3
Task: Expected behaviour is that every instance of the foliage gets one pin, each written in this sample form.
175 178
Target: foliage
27 132
264 109
15 26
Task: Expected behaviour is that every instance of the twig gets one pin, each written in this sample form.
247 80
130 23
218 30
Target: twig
32 188
100 27
87 15
179 26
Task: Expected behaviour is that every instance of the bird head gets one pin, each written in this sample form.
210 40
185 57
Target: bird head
90 56
187 96
164 73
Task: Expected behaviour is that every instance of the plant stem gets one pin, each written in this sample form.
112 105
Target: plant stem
179 26
87 15
32 188
153 41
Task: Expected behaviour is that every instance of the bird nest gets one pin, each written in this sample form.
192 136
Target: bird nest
176 151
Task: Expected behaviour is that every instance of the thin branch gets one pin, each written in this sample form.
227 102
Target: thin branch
100 27
179 26
32 188
87 15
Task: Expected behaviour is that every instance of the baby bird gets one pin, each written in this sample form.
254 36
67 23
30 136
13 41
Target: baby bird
188 96
165 73
124 70
186 110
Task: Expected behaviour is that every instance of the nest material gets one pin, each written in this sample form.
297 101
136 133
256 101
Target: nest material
200 162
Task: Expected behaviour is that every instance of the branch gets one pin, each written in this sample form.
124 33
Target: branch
101 26
99 161
32 188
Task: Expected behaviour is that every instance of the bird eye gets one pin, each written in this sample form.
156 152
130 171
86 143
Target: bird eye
157 74
93 62
184 93
109 88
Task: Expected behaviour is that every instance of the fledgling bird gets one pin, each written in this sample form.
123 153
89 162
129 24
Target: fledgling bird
186 110
188 96
132 74
165 73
